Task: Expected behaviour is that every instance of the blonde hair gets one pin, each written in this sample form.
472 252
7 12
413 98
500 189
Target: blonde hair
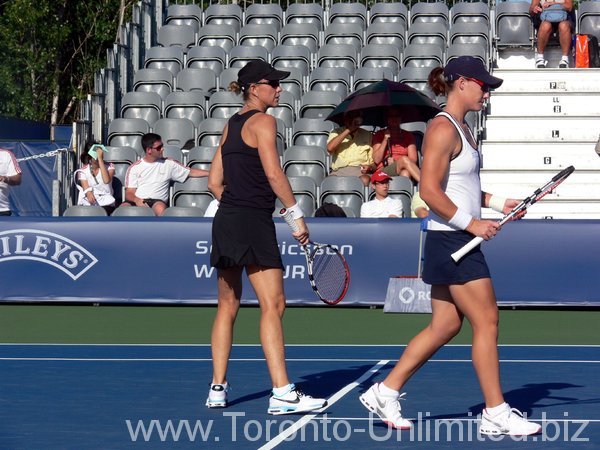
236 88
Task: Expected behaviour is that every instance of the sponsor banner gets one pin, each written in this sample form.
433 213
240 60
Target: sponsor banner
122 259
407 294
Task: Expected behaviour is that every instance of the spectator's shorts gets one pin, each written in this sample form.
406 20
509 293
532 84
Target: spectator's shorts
440 268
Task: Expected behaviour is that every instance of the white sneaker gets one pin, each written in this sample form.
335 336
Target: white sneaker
540 62
294 401
387 407
510 421
217 395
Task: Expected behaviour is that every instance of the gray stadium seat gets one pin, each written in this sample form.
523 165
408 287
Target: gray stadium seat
182 36
254 34
264 14
201 157
318 104
142 105
217 35
312 162
294 83
338 56
193 192
430 12
417 78
380 55
84 211
330 79
386 33
514 27
286 110
226 77
240 55
210 132
177 132
159 81
170 58
300 34
183 211
302 13
363 76
213 58
224 14
395 12
346 192
185 15
477 51
297 56
470 33
174 152
133 211
127 133
428 33
186 105
344 33
423 55
309 132
224 104
202 80
588 18
470 12
348 12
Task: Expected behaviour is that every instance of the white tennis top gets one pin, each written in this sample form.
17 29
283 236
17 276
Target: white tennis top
461 184
8 167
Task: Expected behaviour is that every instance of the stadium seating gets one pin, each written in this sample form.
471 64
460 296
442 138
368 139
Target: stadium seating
170 58
513 24
588 18
159 81
183 211
193 192
186 105
201 157
185 15
203 80
85 211
229 15
213 58
180 36
309 162
297 56
179 132
346 192
127 133
395 13
302 13
132 211
142 105
262 14
262 35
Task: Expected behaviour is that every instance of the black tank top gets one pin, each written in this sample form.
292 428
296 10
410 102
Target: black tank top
245 181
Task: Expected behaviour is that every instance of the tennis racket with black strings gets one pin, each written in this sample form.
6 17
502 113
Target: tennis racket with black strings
328 271
533 198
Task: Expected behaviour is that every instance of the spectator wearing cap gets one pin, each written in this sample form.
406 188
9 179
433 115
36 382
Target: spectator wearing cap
382 205
246 177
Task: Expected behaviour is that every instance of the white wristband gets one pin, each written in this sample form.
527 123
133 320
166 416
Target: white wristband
497 203
461 219
295 211
88 190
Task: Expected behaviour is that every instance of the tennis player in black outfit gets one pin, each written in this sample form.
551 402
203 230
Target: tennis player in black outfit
246 177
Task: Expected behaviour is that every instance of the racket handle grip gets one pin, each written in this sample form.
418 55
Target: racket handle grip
457 255
289 219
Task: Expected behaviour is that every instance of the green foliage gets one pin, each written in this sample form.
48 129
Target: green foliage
52 47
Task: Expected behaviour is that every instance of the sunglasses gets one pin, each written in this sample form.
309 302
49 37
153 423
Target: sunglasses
159 148
273 83
484 87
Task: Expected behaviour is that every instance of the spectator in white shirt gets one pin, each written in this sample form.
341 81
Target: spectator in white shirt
381 205
10 175
148 179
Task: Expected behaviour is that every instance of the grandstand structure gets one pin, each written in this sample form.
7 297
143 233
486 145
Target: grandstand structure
171 69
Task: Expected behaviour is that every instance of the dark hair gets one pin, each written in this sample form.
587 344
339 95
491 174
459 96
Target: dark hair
149 139
85 157
330 210
438 83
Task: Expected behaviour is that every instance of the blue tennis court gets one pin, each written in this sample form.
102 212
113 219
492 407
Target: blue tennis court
152 396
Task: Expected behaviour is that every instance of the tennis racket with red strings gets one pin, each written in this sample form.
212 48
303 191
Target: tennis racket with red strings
328 271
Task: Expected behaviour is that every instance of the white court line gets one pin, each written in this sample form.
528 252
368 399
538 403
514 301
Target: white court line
292 429
49 344
521 361
428 419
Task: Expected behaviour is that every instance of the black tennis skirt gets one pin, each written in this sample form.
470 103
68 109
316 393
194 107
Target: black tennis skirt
244 236
440 268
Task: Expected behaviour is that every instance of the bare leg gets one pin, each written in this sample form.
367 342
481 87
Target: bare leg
268 285
407 168
564 37
159 208
445 323
477 301
543 35
229 285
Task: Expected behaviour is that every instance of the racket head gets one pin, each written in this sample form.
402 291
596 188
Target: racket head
556 180
328 273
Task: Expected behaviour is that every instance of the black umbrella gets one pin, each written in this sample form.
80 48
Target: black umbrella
374 99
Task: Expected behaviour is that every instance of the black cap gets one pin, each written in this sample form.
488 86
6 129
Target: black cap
470 67
257 70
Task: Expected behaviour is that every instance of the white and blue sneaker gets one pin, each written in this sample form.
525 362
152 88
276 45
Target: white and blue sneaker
217 395
510 421
387 407
294 401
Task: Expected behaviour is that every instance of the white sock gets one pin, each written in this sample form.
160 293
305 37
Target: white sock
222 384
497 409
383 389
281 391
539 55
564 58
